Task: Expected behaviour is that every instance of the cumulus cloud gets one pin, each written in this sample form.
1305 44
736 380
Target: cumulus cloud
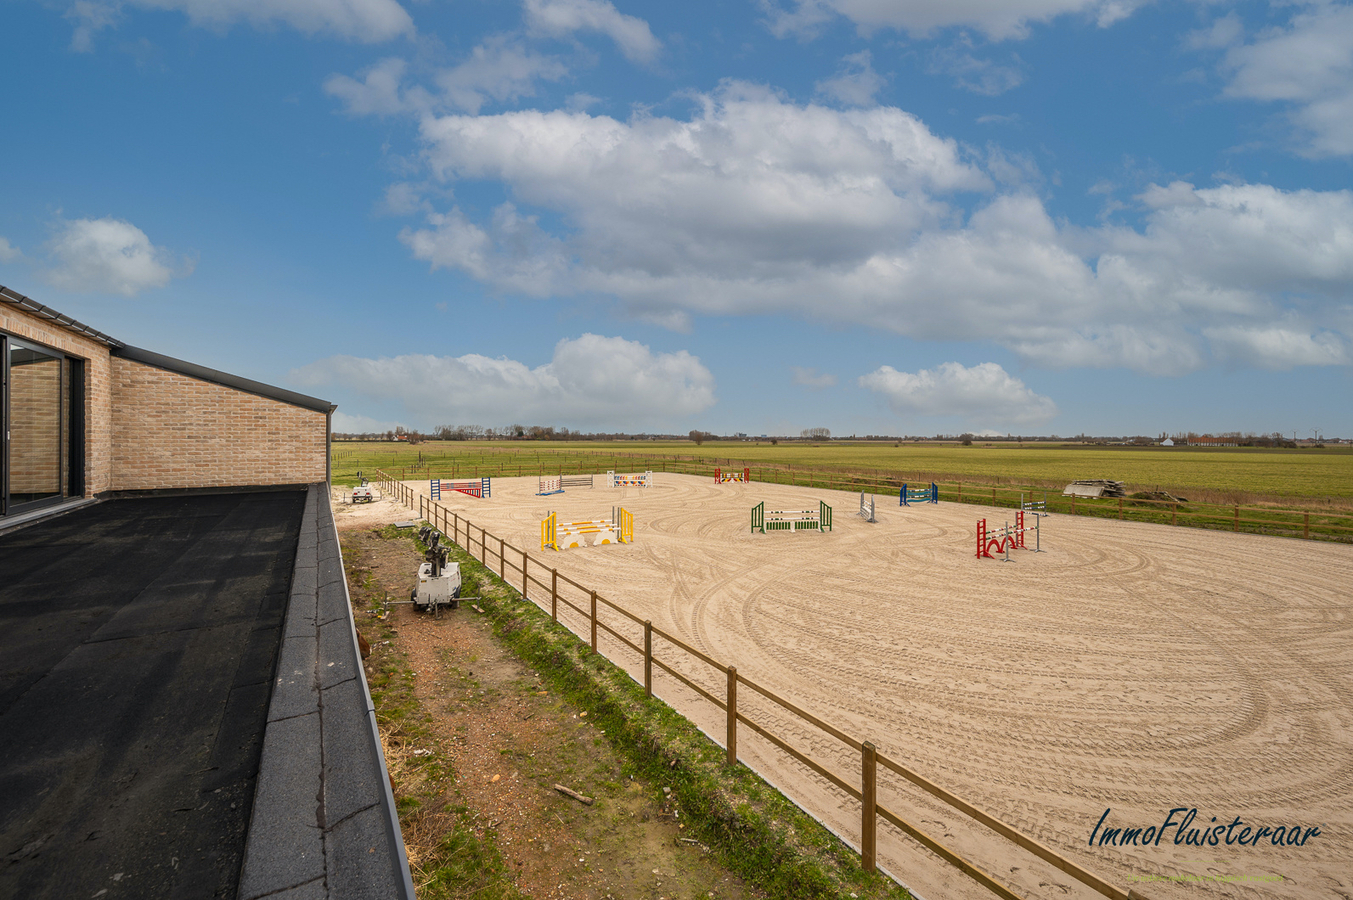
984 394
1307 65
811 378
8 252
108 256
500 69
997 19
560 18
749 188
591 382
367 21
855 83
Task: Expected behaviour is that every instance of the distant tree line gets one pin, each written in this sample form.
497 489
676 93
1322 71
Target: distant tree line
516 432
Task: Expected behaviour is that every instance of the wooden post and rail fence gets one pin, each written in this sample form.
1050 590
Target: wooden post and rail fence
523 569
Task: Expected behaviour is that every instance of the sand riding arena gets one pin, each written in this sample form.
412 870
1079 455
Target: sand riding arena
1127 667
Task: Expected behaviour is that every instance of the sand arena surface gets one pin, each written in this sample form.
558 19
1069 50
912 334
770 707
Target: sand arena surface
1127 666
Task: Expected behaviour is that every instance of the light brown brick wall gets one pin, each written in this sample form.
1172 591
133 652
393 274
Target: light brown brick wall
98 398
173 431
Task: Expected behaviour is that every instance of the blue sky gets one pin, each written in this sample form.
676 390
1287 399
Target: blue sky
1029 216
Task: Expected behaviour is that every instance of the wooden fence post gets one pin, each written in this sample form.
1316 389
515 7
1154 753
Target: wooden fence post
732 715
1237 519
648 659
502 561
554 594
1306 527
1120 509
868 800
524 580
1174 512
594 621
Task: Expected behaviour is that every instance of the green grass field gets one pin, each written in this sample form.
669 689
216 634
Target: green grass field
1230 475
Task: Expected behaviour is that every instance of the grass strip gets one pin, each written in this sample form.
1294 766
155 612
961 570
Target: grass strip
459 862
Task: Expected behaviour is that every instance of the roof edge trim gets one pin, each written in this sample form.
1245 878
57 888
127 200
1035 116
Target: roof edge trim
14 298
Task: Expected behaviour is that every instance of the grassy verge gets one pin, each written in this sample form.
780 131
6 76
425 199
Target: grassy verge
460 863
753 829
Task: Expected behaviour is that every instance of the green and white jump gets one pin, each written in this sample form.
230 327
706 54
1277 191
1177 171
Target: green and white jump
764 520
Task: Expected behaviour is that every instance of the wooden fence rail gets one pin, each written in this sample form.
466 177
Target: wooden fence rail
453 525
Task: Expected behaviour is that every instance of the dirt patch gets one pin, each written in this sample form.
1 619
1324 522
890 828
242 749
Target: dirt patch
476 743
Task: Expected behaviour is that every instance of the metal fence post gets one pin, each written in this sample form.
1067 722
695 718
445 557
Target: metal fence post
868 798
648 659
732 715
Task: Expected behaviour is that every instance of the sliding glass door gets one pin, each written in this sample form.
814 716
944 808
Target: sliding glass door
43 413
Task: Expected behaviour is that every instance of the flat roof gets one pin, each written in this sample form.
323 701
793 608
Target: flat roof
139 641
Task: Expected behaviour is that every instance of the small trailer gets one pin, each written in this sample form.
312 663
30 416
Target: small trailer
362 493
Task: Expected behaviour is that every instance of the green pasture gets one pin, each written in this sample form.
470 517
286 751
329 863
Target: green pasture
1226 475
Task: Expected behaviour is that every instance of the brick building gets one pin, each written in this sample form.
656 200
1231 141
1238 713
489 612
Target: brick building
183 707
87 416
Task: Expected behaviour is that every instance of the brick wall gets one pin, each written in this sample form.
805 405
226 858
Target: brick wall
174 431
98 397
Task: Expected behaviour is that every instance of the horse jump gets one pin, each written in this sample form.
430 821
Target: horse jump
644 480
764 520
579 481
563 535
550 486
722 477
1038 508
867 509
1002 540
918 494
478 487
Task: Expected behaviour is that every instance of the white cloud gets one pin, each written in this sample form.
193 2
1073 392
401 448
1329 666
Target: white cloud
984 394
501 68
367 21
808 377
90 17
591 382
8 252
855 83
108 255
755 205
749 187
350 423
1276 347
1307 65
378 92
560 18
997 19
981 76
